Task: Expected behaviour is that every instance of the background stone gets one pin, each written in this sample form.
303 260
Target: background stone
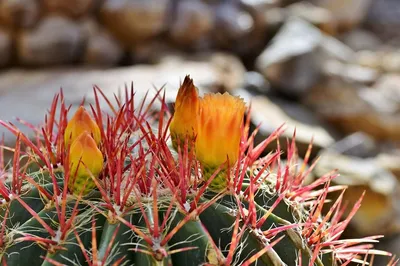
135 21
19 13
56 40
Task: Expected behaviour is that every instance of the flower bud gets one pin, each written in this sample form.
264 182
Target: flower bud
85 159
80 123
184 122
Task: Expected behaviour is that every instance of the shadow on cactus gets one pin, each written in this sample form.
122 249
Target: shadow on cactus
109 189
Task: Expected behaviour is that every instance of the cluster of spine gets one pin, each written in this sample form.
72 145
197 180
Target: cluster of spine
108 189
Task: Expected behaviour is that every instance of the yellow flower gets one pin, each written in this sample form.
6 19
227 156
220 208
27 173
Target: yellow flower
84 159
184 121
80 123
218 134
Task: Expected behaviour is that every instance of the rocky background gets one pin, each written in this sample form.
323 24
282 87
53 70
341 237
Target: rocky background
329 68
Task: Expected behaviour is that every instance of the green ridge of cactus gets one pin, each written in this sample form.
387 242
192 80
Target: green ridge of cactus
152 205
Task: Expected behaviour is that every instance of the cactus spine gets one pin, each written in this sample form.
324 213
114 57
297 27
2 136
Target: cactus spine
142 203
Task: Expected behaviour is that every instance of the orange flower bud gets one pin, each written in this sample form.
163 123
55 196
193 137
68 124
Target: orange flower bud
219 132
84 159
79 123
184 122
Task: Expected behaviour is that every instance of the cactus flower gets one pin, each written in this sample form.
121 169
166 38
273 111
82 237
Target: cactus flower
184 121
80 123
84 156
218 133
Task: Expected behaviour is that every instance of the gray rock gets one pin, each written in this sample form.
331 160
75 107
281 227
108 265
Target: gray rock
262 4
271 113
389 86
360 39
353 107
19 13
152 51
28 94
371 59
318 16
235 22
192 24
75 8
348 14
102 48
351 72
5 47
293 61
378 213
229 71
391 61
390 161
56 40
384 20
357 144
255 82
135 21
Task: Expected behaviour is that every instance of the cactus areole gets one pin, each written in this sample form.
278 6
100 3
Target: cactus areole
128 187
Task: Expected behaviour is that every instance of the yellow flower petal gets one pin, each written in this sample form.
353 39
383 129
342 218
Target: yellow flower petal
80 123
184 121
219 130
84 159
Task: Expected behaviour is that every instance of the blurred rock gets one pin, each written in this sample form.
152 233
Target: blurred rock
384 20
389 87
102 49
134 21
33 90
56 40
360 39
357 144
385 60
19 13
353 108
391 61
371 59
5 47
229 71
262 4
348 14
192 24
235 22
151 52
293 61
256 83
74 8
271 113
378 213
390 162
319 17
351 72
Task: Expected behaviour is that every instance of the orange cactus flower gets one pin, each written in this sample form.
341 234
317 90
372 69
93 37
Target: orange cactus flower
219 133
85 159
184 122
81 122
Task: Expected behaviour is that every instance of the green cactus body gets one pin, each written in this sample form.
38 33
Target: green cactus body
118 243
152 206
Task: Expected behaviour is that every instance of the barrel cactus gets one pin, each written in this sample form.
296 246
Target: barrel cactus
135 187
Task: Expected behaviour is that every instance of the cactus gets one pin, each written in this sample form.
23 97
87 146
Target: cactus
109 189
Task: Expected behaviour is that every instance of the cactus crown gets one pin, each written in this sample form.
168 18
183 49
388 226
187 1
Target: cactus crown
110 190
